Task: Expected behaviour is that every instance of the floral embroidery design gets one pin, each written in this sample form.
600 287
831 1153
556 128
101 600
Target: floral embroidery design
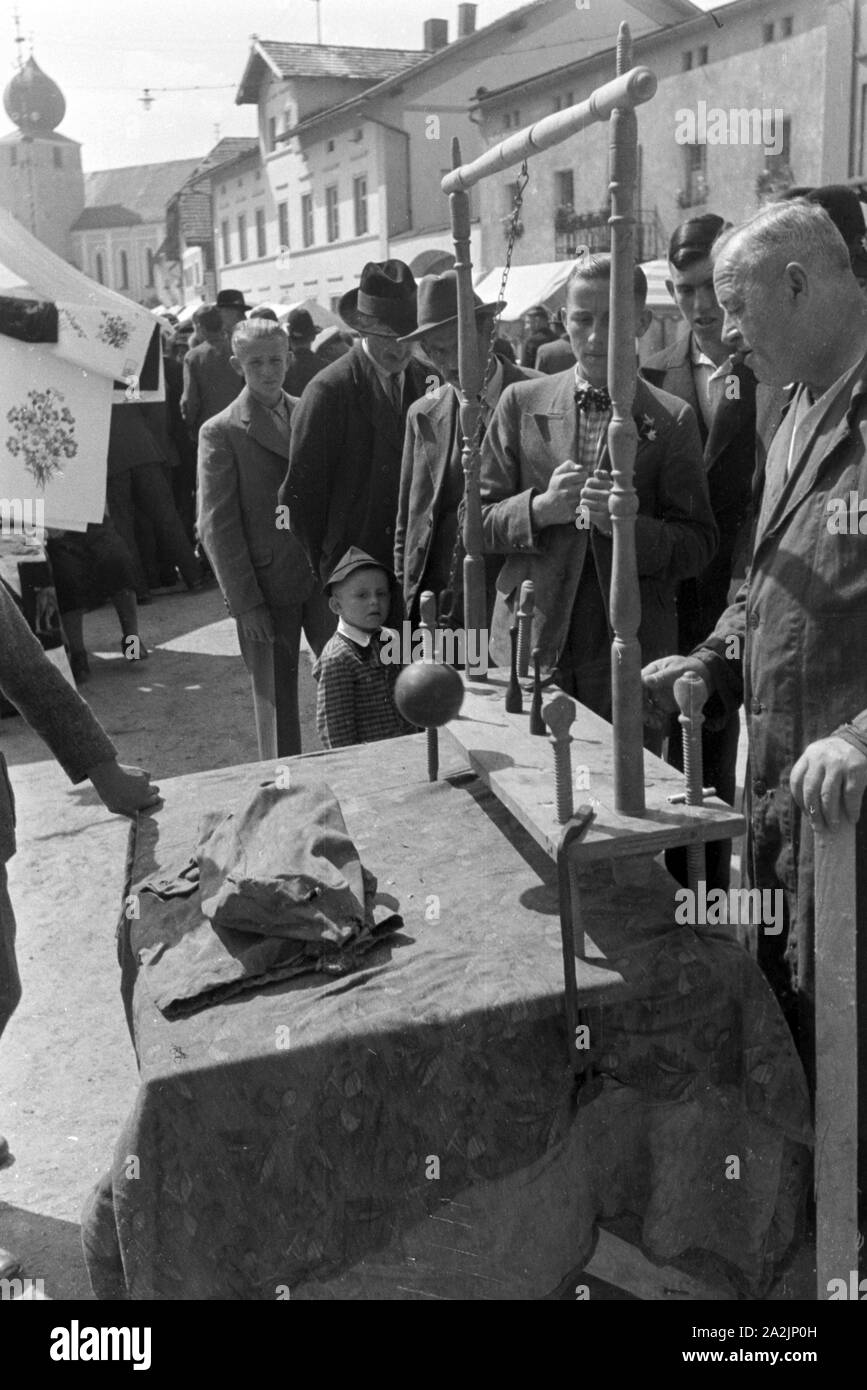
113 330
44 433
72 322
647 428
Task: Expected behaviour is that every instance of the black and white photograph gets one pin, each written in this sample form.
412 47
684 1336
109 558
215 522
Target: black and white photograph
433 669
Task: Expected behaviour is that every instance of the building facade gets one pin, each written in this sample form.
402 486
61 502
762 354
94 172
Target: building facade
354 143
117 238
769 98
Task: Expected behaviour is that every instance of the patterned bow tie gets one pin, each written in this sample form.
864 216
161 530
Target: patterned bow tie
592 398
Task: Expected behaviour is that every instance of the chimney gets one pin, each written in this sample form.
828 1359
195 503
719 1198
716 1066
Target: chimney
466 20
436 34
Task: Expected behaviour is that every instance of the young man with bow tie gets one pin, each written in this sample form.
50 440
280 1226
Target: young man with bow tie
545 483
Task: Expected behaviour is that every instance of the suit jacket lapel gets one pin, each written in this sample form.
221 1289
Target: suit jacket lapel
372 400
788 491
439 429
732 416
558 425
261 425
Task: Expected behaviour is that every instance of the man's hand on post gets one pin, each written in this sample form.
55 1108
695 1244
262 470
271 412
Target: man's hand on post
557 505
594 497
828 782
658 680
256 624
123 790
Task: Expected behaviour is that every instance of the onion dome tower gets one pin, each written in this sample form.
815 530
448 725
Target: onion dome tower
41 181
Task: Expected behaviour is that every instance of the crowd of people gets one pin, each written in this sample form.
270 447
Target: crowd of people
326 497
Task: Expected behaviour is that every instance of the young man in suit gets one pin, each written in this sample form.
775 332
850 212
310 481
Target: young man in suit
432 476
260 566
545 485
698 368
347 433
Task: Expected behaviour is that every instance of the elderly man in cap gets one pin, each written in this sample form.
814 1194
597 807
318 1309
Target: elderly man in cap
432 477
348 427
793 644
303 362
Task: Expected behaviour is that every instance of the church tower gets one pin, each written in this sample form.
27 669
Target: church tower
41 180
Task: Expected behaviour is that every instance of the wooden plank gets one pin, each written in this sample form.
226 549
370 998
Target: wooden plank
518 768
624 1266
836 1163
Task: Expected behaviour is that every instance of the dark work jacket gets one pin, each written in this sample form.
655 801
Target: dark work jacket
800 622
730 460
344 462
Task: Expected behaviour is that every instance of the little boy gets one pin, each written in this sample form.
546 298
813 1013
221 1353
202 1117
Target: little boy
545 483
355 699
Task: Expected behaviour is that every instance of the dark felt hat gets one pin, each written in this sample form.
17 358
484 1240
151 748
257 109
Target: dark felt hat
232 299
384 302
843 206
300 326
353 560
438 304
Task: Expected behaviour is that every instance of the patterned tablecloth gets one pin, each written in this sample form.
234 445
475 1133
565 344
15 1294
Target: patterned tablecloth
411 1130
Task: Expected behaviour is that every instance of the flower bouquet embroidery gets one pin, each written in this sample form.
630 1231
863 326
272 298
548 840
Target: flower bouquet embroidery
44 433
113 330
647 428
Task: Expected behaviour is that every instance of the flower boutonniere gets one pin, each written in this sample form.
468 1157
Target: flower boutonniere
647 428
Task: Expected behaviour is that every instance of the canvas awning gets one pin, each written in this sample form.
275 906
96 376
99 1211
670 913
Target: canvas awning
545 283
56 391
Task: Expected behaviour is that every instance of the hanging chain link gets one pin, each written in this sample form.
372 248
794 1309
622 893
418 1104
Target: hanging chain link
449 597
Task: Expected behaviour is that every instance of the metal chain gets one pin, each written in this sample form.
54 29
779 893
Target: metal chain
449 596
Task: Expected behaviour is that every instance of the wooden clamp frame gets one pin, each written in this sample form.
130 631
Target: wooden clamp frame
614 102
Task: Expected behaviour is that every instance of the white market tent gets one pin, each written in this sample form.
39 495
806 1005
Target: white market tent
56 397
545 283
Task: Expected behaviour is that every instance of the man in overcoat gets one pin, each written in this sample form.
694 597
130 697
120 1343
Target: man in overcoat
793 644
263 572
432 476
347 432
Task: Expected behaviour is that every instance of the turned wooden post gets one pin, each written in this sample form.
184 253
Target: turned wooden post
471 369
627 713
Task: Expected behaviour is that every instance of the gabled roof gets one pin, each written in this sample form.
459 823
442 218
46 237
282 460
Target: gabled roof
320 60
110 215
146 188
661 13
226 151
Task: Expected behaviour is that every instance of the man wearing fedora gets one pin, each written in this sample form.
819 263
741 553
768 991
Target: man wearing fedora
432 476
303 362
232 309
348 427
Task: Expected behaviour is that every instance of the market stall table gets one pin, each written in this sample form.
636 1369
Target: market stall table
410 1130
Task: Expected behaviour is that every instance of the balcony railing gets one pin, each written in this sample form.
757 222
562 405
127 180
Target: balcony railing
576 229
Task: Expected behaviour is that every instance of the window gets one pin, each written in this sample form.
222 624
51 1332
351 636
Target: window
226 240
775 161
100 268
124 271
565 188
307 219
768 33
686 60
696 190
149 273
512 120
13 156
242 238
329 147
359 203
272 133
702 56
332 216
58 157
787 27
261 245
283 225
